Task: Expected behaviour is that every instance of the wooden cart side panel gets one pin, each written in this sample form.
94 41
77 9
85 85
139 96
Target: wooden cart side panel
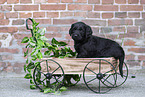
77 65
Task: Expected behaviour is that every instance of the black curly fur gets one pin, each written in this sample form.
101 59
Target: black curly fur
90 46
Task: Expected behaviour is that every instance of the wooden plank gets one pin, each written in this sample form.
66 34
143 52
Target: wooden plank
77 65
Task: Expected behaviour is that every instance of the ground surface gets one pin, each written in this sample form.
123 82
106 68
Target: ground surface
19 87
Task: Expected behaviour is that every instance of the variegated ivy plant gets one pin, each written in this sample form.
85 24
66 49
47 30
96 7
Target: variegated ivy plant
34 53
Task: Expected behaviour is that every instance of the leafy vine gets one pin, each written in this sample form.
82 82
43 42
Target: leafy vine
36 45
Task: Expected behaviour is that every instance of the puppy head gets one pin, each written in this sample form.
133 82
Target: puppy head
80 31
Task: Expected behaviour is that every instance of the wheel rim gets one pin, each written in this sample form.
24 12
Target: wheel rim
122 80
100 81
48 74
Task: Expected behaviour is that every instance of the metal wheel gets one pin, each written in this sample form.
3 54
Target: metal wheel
102 76
48 74
121 80
71 79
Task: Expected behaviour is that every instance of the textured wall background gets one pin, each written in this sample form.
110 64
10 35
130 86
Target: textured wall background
113 17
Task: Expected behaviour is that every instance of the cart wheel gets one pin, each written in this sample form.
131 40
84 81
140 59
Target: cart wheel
71 79
48 74
121 80
102 76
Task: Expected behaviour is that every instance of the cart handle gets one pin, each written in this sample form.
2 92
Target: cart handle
30 28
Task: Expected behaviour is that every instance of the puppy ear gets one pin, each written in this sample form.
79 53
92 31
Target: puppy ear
70 30
88 31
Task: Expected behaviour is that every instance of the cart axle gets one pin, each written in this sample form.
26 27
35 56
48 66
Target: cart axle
99 76
48 75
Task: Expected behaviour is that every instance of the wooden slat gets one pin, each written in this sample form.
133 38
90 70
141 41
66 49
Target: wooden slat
77 65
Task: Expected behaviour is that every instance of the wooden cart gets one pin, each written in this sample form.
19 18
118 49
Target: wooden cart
99 74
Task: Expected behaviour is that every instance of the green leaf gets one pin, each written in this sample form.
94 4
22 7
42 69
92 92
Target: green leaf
28 76
38 76
42 31
27 61
32 43
48 90
47 44
30 65
34 58
43 38
37 63
26 53
68 55
31 81
27 46
25 40
61 57
31 39
63 89
33 52
51 47
39 55
29 70
71 52
62 43
40 42
54 41
32 86
34 22
38 48
56 53
47 53
25 67
37 35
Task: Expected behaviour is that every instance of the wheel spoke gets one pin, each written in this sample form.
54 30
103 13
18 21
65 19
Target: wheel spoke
39 83
91 71
108 71
124 75
91 80
99 66
106 78
41 72
55 70
47 66
108 82
43 80
99 86
57 79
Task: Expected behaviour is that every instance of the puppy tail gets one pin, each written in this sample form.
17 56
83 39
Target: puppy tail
121 61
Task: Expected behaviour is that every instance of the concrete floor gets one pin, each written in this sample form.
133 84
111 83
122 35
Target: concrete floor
17 86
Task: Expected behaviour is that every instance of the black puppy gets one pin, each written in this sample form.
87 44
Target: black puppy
89 46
